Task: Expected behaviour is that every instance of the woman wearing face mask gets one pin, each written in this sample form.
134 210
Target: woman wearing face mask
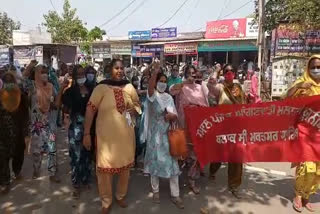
190 93
90 75
116 103
21 120
158 161
231 93
75 100
42 98
9 102
307 173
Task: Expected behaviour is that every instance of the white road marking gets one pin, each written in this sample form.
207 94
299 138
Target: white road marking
268 171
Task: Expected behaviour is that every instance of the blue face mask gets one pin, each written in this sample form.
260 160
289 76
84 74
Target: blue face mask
90 77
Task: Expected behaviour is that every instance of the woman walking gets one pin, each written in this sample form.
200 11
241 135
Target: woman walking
189 93
230 93
158 161
43 139
307 173
116 103
75 100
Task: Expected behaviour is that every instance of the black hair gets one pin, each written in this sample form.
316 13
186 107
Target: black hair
108 68
89 68
161 75
143 78
135 78
75 73
187 68
225 67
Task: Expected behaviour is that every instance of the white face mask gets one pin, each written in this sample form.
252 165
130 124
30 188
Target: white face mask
81 81
161 87
315 73
90 77
44 77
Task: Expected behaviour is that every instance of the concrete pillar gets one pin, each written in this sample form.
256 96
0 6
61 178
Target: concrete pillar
177 59
184 58
235 59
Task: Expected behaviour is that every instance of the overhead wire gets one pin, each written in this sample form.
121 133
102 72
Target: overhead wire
53 7
174 14
192 12
117 14
130 14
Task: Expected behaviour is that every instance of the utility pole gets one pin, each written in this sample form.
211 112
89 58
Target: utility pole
261 38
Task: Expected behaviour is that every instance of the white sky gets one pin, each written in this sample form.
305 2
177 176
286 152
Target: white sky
151 13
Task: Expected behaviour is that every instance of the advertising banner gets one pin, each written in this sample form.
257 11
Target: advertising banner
281 131
4 56
229 28
286 40
158 33
181 49
252 28
139 35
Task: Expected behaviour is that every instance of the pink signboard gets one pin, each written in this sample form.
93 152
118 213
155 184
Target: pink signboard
229 28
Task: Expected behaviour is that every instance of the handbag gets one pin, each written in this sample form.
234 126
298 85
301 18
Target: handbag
177 141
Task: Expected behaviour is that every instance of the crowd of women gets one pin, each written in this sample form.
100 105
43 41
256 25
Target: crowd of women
121 122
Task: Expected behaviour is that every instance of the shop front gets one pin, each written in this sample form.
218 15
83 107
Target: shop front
101 52
186 52
227 51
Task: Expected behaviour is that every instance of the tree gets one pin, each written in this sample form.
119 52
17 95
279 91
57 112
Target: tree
66 28
7 26
303 14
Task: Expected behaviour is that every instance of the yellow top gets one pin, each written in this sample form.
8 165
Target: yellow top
315 89
115 136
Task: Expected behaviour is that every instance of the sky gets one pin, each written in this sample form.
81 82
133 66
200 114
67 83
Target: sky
143 14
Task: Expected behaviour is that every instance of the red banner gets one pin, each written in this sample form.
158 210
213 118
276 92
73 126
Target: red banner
282 131
229 28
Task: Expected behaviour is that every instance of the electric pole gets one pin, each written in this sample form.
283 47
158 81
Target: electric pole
261 38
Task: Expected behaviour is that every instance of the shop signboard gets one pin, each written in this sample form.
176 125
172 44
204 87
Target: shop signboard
287 41
146 51
121 48
4 56
252 28
158 33
139 35
101 51
229 28
224 46
190 48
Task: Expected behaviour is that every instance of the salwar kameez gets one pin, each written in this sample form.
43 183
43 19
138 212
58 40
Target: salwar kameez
81 159
158 161
115 137
7 136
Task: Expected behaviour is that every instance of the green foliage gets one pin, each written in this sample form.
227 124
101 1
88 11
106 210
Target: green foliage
7 25
68 28
302 13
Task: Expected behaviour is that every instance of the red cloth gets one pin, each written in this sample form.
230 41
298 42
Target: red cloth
282 131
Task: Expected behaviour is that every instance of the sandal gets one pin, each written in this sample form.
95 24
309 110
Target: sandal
235 193
308 205
178 202
297 204
156 198
76 194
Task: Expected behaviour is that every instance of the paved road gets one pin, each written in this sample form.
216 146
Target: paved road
267 188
